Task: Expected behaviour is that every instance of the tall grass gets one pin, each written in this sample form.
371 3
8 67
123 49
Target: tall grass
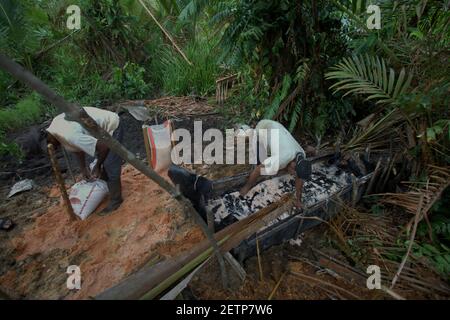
177 77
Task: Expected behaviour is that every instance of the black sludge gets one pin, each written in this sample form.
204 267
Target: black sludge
193 187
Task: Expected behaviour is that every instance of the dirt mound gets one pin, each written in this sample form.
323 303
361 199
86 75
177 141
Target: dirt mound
148 224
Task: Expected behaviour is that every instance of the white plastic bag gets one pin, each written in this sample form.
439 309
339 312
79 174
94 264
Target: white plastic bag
86 196
159 145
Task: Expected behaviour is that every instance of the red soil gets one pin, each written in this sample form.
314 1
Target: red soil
148 224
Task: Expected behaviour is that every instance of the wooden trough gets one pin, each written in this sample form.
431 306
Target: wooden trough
321 197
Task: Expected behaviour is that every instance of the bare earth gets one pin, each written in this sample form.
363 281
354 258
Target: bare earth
148 225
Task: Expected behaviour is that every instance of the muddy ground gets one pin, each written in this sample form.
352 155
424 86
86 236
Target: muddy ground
278 277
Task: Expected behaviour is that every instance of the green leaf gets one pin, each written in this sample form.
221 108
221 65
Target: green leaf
431 135
368 75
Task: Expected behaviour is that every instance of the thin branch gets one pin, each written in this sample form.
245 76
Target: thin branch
411 241
166 33
304 276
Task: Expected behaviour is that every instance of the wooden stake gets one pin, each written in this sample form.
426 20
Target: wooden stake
411 242
261 277
276 286
354 190
60 181
374 178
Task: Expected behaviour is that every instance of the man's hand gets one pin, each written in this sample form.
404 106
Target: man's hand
86 175
96 171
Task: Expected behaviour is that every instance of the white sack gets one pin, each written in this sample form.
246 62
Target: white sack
159 145
86 196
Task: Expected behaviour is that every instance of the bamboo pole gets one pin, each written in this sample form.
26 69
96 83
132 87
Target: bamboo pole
354 190
166 283
60 181
276 286
411 242
306 277
166 33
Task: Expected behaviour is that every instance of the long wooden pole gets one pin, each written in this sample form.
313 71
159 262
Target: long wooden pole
165 33
60 181
76 113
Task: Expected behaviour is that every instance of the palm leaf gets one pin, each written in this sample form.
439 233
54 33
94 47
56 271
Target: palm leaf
438 181
369 76
381 134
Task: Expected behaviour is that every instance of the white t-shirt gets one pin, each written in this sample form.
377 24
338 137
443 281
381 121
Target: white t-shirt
74 138
282 151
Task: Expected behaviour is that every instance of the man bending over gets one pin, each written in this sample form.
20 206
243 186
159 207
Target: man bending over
285 153
74 138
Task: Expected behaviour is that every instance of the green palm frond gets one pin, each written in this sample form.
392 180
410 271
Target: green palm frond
368 75
354 7
279 97
295 115
381 134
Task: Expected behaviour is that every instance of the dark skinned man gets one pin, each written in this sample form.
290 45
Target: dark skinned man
285 154
74 138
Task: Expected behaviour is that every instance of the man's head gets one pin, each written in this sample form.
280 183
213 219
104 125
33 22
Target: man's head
303 167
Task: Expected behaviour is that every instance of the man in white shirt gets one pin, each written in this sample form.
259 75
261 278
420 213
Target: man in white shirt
74 138
285 153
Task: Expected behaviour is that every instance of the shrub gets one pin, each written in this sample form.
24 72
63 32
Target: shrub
7 148
27 111
129 81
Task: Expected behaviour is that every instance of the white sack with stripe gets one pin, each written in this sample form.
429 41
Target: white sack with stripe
159 145
86 196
